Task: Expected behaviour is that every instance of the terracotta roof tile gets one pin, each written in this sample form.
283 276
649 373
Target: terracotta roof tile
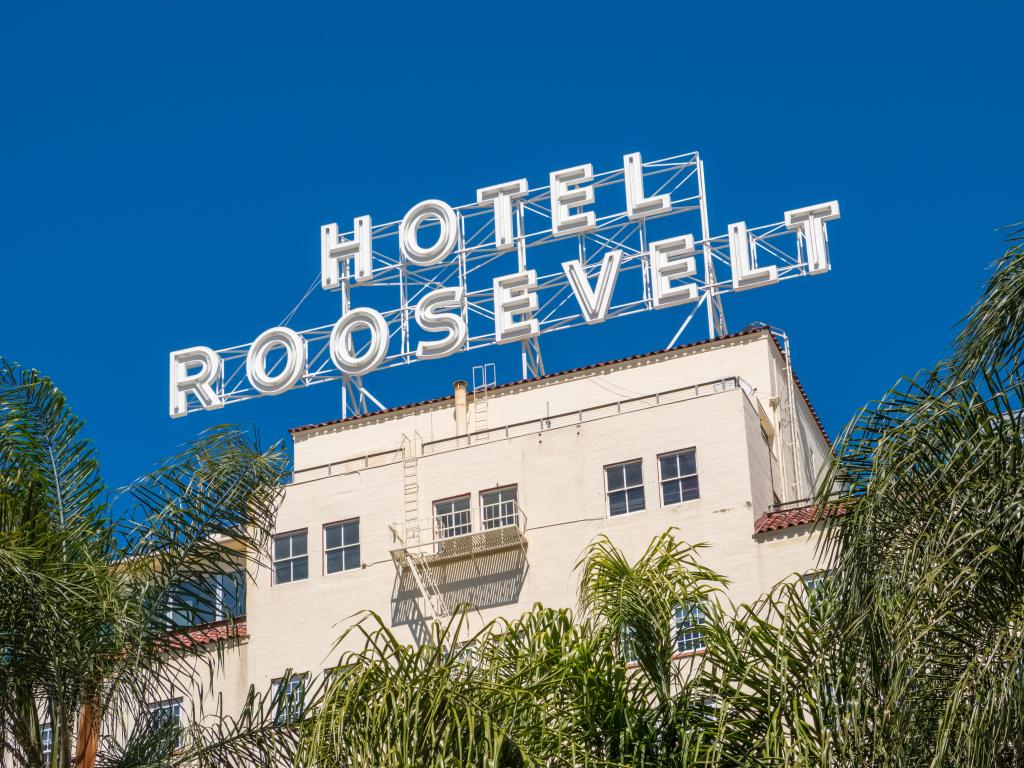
790 517
209 633
745 332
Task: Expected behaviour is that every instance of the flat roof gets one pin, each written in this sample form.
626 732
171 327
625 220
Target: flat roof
749 331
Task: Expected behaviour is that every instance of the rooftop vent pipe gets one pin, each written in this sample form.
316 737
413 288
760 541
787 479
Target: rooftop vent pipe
461 408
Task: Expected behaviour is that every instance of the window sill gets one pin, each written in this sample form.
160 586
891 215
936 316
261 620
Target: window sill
331 575
282 584
624 515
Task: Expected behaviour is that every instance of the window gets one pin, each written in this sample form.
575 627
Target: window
688 620
46 741
498 508
814 583
291 563
214 598
288 694
625 487
627 643
452 517
679 476
341 546
167 714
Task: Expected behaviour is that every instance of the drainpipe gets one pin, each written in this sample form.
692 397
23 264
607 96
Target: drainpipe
461 408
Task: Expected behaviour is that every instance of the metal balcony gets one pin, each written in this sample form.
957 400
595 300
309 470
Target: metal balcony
465 533
457 535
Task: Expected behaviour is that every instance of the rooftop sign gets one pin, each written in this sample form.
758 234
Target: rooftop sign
507 268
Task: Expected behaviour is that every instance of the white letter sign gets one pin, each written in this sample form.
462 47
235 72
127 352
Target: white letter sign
294 347
333 252
811 222
343 348
198 383
515 295
430 319
501 196
744 273
567 195
587 247
594 303
672 259
408 232
638 206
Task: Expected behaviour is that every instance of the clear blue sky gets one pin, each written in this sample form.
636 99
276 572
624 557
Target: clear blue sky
165 168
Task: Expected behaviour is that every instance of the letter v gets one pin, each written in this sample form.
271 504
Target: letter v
594 303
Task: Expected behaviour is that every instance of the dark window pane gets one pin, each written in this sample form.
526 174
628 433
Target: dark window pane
352 557
281 549
616 478
461 504
234 594
670 492
350 532
668 467
300 569
634 473
332 536
298 544
335 561
688 462
691 489
635 499
617 503
205 601
282 573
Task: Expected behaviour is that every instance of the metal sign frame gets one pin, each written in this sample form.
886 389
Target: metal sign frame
619 237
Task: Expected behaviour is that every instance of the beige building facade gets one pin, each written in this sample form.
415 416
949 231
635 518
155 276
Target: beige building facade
489 498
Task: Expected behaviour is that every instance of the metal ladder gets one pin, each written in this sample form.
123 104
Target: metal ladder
789 415
427 584
484 377
411 485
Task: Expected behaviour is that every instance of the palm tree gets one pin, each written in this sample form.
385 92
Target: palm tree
87 640
550 688
928 561
910 653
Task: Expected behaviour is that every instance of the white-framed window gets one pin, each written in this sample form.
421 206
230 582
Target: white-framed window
289 694
624 484
687 622
679 476
46 742
341 546
452 517
627 644
162 713
215 598
499 507
814 582
291 559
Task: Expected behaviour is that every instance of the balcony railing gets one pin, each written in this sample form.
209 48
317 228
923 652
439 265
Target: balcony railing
467 532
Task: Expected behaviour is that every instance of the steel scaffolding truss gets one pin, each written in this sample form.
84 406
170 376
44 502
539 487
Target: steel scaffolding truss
396 286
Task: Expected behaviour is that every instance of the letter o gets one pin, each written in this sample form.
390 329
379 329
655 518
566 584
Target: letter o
343 351
295 360
445 216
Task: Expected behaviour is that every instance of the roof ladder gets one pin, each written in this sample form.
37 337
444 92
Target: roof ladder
484 377
411 487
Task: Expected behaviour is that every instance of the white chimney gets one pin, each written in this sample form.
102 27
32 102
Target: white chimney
461 408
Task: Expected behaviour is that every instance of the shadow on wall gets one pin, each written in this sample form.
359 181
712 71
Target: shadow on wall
481 581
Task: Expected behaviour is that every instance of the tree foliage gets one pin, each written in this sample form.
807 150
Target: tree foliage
909 653
84 622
